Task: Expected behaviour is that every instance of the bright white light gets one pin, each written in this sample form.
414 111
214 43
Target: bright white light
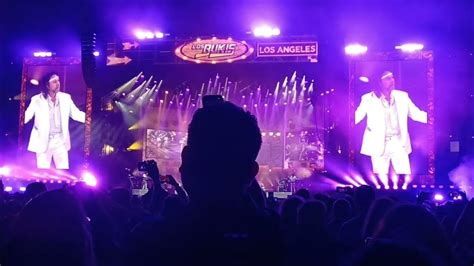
34 82
364 79
96 53
8 189
42 54
266 31
22 189
410 47
276 31
144 34
159 35
89 179
355 49
140 34
438 197
149 35
4 171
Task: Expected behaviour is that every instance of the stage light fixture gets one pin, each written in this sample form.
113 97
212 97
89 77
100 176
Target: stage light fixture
89 179
42 54
438 197
355 49
266 31
410 47
4 171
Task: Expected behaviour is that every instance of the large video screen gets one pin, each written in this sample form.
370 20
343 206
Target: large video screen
393 126
54 115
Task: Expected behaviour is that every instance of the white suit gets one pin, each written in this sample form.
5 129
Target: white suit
40 139
375 142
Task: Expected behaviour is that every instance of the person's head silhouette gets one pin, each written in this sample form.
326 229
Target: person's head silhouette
218 162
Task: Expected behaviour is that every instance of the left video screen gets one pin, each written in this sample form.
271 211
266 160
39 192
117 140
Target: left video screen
54 115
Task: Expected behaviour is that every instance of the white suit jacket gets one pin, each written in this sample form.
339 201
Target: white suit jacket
40 110
373 143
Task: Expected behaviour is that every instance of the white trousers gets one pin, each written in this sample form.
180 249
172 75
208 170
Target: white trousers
57 151
395 153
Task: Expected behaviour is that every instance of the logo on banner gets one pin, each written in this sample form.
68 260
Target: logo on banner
287 49
214 51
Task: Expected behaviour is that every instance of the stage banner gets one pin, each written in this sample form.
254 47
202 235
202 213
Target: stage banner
293 49
211 50
214 50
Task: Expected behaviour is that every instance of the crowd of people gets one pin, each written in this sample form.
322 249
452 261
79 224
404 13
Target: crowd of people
220 216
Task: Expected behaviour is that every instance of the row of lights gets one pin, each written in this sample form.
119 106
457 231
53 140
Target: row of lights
438 196
276 104
395 187
148 34
86 177
359 49
271 134
263 31
266 31
50 54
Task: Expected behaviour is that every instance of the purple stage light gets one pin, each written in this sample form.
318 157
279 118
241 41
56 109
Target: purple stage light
410 47
89 179
355 49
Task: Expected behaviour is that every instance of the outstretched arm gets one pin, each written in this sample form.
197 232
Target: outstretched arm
415 113
77 114
361 111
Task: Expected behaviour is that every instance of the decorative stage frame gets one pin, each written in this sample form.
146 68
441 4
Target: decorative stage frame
54 62
423 56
